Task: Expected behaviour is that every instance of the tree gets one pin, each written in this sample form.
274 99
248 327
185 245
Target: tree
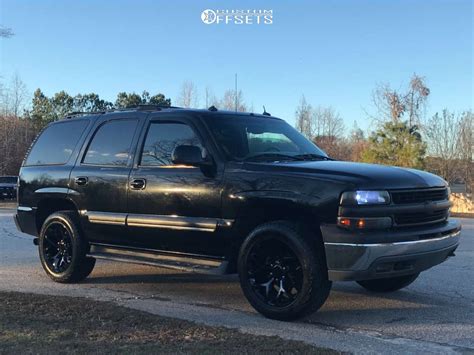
304 121
62 103
396 143
232 100
328 129
90 103
466 144
125 100
188 96
395 106
42 110
160 100
210 98
442 132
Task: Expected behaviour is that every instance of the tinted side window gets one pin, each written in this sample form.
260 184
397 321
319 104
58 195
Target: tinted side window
162 138
57 142
111 144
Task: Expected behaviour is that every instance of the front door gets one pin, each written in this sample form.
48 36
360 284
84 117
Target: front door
174 207
99 181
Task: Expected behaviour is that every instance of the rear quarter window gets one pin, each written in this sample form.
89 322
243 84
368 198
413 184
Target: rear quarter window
56 143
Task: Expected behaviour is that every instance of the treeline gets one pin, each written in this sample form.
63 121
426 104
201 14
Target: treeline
402 135
23 117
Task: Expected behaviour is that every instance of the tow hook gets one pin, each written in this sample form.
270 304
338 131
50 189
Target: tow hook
36 241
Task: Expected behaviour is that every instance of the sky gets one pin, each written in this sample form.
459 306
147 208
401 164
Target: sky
333 52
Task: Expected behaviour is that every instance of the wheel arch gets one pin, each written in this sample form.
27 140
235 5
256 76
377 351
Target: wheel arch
50 205
252 215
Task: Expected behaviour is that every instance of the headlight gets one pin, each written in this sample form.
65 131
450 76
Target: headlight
363 197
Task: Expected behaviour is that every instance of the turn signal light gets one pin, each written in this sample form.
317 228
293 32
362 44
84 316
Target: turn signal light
365 223
345 222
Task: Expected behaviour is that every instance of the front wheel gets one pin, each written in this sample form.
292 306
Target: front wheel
62 249
283 272
389 284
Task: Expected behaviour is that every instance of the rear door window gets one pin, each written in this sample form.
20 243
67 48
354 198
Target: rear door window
112 143
56 143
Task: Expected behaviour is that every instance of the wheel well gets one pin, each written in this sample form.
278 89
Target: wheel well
297 214
49 206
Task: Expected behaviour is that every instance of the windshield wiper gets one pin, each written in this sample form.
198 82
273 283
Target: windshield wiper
312 156
272 156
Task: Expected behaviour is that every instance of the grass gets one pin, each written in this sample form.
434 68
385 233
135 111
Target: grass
45 324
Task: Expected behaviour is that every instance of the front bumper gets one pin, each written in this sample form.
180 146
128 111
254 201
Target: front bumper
387 254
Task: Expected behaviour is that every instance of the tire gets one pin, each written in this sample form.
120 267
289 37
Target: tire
62 249
283 272
389 284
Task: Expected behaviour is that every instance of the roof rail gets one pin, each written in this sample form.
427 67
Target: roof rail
150 107
80 113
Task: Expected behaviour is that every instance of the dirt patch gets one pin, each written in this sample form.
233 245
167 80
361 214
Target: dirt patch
46 324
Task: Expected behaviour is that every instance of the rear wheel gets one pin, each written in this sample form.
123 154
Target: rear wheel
389 284
62 249
283 272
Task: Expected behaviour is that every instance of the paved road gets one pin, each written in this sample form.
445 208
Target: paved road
433 315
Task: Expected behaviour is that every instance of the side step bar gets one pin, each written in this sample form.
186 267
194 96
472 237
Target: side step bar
165 259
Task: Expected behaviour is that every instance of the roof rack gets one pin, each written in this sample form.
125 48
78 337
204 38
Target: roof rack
80 113
150 107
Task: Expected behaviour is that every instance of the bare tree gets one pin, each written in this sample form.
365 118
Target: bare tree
466 146
442 132
393 105
415 100
18 96
231 99
304 122
327 122
210 98
188 96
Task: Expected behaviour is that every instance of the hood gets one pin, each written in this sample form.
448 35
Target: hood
361 175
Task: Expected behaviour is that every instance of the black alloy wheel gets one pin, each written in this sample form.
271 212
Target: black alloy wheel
282 270
63 249
274 272
57 246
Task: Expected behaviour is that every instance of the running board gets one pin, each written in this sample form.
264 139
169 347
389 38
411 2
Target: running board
170 260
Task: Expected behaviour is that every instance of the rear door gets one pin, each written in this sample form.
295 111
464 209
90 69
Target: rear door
99 181
176 207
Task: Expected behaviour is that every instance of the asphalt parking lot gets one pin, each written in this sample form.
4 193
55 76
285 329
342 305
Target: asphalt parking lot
433 315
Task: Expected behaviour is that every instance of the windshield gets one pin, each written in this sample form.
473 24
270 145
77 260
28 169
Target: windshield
8 179
245 137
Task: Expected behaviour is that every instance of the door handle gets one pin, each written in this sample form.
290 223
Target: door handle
81 180
138 184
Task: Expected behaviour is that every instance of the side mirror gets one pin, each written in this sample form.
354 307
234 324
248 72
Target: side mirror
188 155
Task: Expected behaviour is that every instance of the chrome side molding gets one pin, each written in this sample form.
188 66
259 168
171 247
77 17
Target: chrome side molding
202 224
118 219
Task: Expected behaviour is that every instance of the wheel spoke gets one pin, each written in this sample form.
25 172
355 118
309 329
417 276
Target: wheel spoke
274 272
57 247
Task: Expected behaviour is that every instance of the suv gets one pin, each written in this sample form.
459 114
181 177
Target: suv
224 192
8 186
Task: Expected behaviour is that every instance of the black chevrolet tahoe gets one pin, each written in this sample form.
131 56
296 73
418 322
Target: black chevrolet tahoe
223 192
